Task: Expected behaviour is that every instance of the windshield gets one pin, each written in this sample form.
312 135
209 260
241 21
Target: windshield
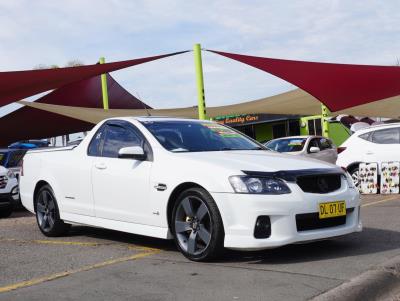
2 158
193 136
10 159
287 145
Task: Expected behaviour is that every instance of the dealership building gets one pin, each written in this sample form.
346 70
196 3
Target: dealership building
264 127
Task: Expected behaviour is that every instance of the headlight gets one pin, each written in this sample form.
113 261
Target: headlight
10 174
258 185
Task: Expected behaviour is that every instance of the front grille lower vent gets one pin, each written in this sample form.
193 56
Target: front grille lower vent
320 183
3 182
311 221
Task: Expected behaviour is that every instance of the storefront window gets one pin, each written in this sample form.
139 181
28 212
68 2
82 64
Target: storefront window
279 130
315 127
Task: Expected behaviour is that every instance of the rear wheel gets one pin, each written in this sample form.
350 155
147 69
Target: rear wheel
197 225
47 214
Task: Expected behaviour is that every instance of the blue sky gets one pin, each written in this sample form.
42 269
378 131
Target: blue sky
53 32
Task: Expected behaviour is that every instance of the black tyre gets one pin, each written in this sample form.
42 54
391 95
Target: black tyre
47 214
197 225
6 212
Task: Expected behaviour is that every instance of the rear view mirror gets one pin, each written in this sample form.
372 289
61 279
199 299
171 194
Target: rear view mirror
132 152
314 149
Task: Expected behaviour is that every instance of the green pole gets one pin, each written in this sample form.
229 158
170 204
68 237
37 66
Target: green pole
104 89
325 123
200 82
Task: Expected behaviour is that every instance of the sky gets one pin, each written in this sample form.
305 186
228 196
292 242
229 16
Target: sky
55 32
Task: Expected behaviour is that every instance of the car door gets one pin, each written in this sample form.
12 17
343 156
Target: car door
121 186
383 146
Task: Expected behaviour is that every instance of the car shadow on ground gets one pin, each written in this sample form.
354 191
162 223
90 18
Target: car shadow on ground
123 238
370 241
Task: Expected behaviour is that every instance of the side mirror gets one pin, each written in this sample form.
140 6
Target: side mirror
314 149
132 152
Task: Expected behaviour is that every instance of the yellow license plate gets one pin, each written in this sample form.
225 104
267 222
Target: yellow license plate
332 209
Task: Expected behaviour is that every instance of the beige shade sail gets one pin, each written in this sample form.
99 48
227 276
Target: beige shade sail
296 102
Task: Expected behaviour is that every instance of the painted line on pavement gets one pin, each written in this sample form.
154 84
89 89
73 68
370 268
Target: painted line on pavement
79 243
43 279
382 201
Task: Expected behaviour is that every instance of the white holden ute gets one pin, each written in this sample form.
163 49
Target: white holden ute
200 183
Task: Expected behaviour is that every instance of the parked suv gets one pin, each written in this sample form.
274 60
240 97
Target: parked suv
9 192
11 159
378 144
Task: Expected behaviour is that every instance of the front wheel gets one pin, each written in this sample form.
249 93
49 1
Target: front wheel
197 225
47 214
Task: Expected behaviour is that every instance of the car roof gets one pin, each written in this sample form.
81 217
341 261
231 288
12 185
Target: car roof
377 127
298 137
157 118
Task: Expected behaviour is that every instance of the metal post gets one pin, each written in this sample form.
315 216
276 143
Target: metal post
325 123
104 89
200 82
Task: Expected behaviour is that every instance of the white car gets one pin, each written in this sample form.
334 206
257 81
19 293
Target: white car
9 191
315 147
375 144
199 182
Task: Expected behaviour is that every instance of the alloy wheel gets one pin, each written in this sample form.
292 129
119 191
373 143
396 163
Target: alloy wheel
193 225
355 176
46 211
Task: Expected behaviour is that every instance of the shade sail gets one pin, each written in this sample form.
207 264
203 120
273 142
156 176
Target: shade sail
16 85
296 102
338 86
30 123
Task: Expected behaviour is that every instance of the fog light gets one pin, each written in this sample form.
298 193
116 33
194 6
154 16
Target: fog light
15 193
263 227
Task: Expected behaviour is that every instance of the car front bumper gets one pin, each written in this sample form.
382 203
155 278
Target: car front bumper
10 199
239 213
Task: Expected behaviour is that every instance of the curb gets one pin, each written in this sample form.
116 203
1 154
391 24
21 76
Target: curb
379 283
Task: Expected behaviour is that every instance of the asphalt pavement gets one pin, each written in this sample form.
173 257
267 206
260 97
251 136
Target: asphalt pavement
98 264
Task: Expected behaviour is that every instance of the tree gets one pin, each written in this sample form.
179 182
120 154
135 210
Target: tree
70 63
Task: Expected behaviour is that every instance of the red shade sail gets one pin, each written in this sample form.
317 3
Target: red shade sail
30 123
15 85
338 86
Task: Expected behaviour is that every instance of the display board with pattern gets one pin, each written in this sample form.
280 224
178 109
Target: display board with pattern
368 174
390 177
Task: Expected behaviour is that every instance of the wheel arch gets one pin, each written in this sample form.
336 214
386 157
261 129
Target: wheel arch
38 186
351 166
174 195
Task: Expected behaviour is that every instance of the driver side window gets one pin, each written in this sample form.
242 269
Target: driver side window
118 137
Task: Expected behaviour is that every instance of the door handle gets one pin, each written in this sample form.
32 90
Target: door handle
100 165
369 153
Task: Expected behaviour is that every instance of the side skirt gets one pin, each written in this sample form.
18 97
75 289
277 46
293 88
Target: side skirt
139 229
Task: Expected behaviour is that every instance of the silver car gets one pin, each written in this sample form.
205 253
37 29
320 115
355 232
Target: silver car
315 147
